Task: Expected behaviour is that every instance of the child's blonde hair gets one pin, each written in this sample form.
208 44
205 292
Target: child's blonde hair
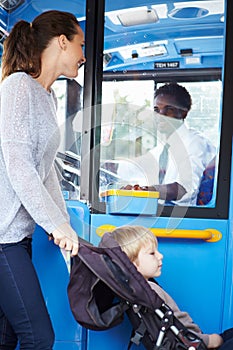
132 238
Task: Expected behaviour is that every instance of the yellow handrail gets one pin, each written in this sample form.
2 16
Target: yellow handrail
208 235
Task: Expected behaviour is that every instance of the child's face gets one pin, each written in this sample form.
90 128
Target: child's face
149 261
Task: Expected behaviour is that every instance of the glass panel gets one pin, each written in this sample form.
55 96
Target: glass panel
127 127
69 105
69 94
144 48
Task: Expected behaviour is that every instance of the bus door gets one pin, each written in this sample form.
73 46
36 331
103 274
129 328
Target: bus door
143 47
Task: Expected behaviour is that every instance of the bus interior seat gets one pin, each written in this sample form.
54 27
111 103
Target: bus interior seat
206 188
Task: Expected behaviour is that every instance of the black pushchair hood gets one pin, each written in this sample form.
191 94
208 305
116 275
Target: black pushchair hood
99 274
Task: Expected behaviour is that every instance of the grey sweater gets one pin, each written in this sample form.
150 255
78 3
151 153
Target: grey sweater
29 139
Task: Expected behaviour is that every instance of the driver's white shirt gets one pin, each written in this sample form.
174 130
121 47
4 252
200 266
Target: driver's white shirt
188 156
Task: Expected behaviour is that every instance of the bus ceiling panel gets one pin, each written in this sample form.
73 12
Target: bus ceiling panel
158 33
186 53
198 45
134 37
16 10
113 25
162 45
187 56
157 49
159 14
167 6
3 19
77 7
10 5
193 62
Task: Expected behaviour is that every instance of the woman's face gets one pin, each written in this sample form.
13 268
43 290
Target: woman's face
73 56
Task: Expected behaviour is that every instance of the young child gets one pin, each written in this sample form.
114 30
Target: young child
141 246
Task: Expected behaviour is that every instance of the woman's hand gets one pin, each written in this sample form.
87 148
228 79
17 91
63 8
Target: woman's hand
66 238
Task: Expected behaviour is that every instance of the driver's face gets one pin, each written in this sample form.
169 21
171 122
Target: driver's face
171 114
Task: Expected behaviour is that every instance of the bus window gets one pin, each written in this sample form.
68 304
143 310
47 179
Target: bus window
135 65
129 132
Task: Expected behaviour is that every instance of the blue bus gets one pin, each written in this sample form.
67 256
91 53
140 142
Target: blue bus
108 128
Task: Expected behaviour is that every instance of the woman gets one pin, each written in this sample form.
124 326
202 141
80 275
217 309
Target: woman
35 55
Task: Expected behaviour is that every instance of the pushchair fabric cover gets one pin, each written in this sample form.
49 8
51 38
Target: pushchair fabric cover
105 285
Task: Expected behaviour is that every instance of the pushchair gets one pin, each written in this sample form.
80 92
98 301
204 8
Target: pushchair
105 286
